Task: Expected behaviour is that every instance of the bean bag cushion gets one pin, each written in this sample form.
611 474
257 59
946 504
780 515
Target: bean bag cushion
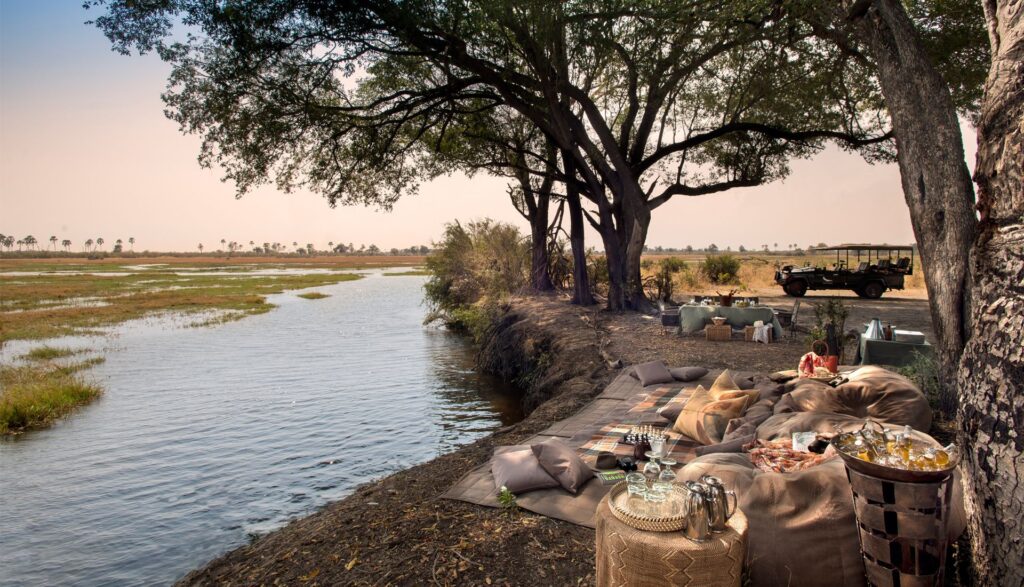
768 394
688 373
871 392
802 529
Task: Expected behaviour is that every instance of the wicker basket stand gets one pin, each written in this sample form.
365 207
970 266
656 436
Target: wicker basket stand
718 333
903 529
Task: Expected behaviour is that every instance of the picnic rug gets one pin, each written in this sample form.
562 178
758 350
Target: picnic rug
599 426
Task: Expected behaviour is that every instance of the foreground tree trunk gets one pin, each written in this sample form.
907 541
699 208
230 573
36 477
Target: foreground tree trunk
936 182
991 375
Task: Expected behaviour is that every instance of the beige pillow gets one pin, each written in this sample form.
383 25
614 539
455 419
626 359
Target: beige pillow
562 463
714 418
725 387
724 382
686 423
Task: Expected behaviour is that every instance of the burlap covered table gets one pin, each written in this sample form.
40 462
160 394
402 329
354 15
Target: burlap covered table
630 557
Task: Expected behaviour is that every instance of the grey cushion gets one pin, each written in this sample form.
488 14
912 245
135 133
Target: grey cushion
688 373
520 471
562 463
671 411
652 372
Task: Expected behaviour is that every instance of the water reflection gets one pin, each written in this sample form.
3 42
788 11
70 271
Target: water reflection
208 435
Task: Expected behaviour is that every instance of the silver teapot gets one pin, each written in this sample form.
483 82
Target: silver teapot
698 512
719 500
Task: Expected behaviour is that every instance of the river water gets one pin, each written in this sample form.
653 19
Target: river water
206 437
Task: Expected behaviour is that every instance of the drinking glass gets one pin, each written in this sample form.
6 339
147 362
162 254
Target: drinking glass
658 445
651 470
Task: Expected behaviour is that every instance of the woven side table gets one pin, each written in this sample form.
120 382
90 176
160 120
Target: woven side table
635 558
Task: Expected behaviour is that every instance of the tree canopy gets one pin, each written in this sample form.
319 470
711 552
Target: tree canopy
360 101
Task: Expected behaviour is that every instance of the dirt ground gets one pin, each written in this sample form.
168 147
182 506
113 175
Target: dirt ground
397 531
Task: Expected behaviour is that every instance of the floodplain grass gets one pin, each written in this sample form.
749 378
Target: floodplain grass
49 353
35 395
313 295
413 273
82 300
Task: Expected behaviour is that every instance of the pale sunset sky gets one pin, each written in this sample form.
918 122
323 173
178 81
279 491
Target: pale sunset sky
86 152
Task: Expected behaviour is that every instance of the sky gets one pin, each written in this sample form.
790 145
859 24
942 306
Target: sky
86 152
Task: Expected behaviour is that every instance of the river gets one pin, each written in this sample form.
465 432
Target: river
207 437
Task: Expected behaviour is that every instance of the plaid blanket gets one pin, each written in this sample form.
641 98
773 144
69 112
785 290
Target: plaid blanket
609 438
655 400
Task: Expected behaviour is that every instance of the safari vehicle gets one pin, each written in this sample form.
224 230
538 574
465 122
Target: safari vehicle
868 270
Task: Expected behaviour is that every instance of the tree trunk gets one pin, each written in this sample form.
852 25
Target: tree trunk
991 375
540 278
936 182
580 280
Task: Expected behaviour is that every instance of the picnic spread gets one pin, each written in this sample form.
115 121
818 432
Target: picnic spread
767 444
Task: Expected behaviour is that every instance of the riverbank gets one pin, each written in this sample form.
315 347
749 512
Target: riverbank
398 531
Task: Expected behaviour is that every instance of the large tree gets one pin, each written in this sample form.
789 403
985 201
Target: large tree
991 376
926 67
645 101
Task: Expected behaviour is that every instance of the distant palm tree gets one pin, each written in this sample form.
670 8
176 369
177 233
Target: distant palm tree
66 244
200 248
223 242
99 242
20 243
295 244
30 241
88 244
131 242
53 242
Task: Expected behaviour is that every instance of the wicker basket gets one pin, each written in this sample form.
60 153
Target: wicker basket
903 528
718 333
748 334
619 505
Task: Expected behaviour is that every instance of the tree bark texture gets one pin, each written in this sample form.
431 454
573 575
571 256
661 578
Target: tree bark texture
991 374
540 277
580 280
936 182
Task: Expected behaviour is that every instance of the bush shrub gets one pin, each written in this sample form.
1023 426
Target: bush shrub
721 269
473 265
661 284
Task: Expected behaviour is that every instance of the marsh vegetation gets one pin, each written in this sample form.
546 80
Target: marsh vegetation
36 394
43 300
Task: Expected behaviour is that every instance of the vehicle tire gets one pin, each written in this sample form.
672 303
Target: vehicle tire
874 290
860 292
797 288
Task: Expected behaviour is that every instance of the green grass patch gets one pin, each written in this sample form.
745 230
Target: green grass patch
414 272
48 353
313 295
50 305
36 395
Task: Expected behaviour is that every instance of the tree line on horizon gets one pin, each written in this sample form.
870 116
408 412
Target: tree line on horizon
30 244
600 111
